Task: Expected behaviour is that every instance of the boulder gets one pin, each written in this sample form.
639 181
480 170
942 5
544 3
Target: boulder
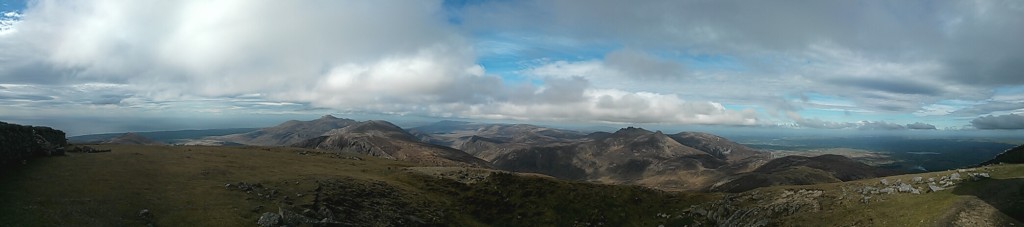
934 188
954 176
904 187
290 218
884 182
888 190
917 179
269 219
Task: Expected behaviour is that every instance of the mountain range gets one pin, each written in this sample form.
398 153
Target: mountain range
691 161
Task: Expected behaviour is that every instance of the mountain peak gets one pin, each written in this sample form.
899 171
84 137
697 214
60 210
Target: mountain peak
328 117
631 131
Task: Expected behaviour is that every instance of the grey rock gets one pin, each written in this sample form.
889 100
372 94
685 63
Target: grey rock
904 187
269 219
931 179
934 188
887 190
145 213
294 219
954 176
884 181
917 179
984 175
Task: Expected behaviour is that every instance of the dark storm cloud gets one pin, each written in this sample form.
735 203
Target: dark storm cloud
1008 122
920 126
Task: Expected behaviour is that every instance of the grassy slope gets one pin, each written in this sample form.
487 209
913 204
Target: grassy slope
1000 197
185 186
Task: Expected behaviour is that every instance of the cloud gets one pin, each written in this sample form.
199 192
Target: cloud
988 108
1008 122
886 57
818 123
879 125
921 126
637 64
611 105
654 61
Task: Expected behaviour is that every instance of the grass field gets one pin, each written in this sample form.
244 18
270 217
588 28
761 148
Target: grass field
186 186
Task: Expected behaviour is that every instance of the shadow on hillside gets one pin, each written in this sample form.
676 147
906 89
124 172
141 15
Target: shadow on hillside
1007 195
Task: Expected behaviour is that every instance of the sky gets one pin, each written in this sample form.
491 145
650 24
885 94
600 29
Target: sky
96 66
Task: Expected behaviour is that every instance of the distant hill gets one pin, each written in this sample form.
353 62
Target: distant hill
1012 155
385 140
168 137
132 139
629 155
717 146
799 170
287 133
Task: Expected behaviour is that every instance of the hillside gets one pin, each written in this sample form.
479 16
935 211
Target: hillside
385 140
717 146
168 137
627 156
236 186
286 133
1012 155
799 170
132 139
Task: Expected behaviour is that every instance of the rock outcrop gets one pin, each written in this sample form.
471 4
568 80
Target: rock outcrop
21 142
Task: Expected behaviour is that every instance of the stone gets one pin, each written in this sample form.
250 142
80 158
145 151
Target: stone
984 175
884 181
326 213
294 219
931 179
954 176
866 199
934 188
903 187
887 190
269 219
144 213
917 179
